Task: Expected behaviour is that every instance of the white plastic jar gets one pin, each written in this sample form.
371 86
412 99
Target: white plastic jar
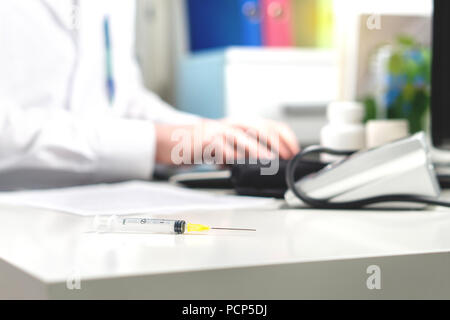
345 129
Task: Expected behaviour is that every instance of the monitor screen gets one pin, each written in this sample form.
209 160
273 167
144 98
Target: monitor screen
440 80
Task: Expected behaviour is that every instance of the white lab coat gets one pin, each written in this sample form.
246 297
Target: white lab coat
56 125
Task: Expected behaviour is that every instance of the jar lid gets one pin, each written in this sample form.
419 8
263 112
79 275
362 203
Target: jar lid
380 132
345 112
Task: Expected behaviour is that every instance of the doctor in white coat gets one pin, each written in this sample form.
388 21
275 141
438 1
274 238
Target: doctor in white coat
73 109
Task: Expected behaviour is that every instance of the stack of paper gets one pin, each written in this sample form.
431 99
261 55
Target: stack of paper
128 198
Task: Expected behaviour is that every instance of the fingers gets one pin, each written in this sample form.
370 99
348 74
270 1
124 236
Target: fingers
289 141
219 141
231 155
246 144
231 143
276 136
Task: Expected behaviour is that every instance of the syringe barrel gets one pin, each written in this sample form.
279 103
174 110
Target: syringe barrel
139 225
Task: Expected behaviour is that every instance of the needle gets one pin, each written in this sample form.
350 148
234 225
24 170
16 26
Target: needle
234 229
191 227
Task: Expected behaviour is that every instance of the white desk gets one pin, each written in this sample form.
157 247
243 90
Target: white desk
294 254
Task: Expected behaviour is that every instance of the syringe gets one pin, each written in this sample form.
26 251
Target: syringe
146 225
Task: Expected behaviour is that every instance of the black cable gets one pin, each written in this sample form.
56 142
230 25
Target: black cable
356 204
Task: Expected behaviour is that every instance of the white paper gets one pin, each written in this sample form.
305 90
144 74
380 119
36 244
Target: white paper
128 198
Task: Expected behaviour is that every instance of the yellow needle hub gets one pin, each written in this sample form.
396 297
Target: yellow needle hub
191 227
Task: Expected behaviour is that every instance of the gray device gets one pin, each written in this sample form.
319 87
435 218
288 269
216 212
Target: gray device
398 172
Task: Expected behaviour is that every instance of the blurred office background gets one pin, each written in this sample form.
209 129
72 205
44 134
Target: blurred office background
287 59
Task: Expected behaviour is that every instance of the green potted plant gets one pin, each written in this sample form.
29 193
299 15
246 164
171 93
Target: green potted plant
403 82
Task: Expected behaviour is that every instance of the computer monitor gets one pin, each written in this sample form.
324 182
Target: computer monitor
440 79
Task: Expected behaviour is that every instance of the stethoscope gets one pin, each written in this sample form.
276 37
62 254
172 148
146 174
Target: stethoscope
72 30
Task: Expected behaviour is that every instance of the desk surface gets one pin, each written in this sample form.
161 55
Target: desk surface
49 245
